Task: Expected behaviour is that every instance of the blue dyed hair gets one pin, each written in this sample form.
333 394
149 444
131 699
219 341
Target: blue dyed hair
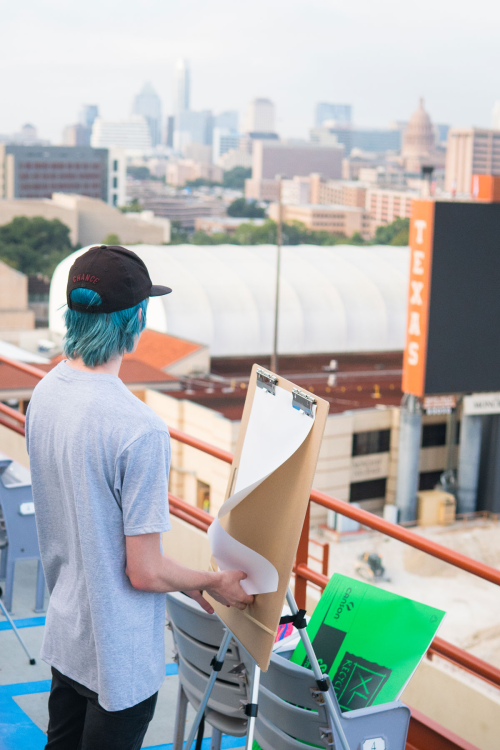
99 337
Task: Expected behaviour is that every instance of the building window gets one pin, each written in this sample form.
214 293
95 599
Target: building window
115 182
115 165
428 479
203 495
373 489
115 199
433 435
375 441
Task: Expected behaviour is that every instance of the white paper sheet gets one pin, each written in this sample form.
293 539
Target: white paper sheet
275 431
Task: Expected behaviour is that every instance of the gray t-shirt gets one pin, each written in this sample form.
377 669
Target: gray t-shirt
99 462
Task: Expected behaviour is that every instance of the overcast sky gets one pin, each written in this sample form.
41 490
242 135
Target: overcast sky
379 55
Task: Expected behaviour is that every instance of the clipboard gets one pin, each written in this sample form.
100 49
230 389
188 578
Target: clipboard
270 519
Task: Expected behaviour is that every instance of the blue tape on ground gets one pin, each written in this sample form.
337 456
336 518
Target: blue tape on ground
17 731
26 622
226 743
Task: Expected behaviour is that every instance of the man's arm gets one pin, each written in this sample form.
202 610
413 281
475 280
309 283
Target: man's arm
149 570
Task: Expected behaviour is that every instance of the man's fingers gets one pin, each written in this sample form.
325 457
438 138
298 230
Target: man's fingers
202 602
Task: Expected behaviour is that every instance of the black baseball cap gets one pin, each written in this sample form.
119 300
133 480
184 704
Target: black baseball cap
118 275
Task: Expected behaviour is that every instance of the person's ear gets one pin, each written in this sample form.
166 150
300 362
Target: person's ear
140 315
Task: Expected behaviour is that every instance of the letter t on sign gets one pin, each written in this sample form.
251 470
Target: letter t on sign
420 225
421 243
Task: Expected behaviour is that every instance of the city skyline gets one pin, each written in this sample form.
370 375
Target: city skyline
378 58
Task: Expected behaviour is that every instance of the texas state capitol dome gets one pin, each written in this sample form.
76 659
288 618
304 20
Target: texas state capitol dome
342 298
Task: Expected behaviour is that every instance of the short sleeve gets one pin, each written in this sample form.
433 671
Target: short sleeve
26 429
141 484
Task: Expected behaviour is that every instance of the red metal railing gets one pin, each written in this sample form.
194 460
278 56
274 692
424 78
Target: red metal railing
304 574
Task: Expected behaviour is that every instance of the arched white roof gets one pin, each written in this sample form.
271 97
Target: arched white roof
343 298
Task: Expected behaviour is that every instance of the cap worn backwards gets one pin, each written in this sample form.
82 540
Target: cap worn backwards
118 275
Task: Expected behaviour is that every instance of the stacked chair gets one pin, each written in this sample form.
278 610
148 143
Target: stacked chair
291 711
197 637
18 514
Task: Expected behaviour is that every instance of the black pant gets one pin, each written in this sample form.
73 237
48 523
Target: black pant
78 722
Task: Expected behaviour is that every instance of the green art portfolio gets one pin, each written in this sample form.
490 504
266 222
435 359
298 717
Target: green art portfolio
368 641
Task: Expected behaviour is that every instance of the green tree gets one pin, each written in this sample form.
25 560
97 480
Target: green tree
34 245
133 207
111 239
396 233
139 173
201 182
245 209
235 178
178 236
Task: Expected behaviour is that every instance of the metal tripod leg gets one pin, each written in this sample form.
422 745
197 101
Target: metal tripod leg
254 699
201 710
16 631
318 674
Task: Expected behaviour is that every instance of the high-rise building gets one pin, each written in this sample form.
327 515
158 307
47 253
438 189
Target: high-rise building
39 171
76 135
224 139
372 141
495 120
147 103
271 158
340 114
182 101
193 127
260 117
169 131
227 120
470 151
132 134
88 115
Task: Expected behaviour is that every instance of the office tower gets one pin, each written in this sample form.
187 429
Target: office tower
224 139
88 115
169 131
341 114
470 151
132 134
271 158
193 127
260 117
147 103
76 135
39 171
374 141
227 120
495 124
182 101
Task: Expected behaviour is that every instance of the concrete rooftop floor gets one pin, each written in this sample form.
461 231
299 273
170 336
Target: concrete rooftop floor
24 689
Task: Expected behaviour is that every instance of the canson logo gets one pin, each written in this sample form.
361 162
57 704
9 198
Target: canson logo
85 277
343 604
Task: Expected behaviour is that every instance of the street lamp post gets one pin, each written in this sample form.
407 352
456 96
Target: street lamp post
274 355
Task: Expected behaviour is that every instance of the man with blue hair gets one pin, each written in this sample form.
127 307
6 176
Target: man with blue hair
99 462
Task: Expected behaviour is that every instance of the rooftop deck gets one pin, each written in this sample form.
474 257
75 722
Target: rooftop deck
24 689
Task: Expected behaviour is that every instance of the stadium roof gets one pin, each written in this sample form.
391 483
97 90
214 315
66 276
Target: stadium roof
343 298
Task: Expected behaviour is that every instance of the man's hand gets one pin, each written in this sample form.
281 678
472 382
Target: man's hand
228 591
197 596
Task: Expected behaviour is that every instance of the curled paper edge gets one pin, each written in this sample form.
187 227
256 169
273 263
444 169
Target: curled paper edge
228 553
262 576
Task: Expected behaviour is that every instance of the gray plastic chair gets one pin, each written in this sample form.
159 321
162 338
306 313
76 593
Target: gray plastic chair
290 714
22 538
197 637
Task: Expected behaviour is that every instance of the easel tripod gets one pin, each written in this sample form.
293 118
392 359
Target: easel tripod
298 619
